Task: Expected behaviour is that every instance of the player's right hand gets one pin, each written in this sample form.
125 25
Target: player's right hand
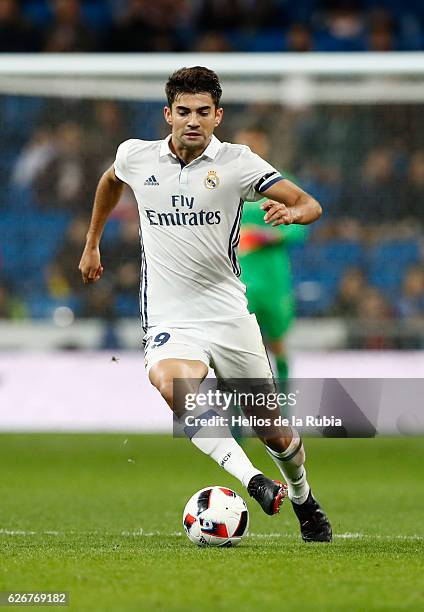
277 213
90 266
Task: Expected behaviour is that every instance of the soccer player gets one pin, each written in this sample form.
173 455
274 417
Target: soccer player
190 190
270 295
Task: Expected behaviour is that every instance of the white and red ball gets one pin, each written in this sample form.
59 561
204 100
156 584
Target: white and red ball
216 516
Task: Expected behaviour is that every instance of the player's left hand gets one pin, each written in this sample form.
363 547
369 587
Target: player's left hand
277 213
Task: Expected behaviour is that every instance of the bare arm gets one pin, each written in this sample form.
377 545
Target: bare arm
288 204
108 192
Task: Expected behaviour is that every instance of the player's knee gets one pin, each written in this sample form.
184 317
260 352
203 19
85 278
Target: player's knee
278 347
166 389
164 383
162 376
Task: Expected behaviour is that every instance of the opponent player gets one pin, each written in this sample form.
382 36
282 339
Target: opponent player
270 295
190 190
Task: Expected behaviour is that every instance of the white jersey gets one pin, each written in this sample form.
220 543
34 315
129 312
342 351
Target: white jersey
189 226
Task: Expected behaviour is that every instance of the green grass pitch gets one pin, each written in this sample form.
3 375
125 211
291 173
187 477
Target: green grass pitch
100 517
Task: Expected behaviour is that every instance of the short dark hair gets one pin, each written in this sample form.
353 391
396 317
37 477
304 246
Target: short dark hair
196 79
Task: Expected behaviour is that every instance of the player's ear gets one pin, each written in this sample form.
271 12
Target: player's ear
167 114
219 113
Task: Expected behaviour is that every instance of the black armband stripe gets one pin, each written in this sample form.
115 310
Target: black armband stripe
269 183
264 178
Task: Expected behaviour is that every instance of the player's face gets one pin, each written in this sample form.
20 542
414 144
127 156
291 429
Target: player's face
193 118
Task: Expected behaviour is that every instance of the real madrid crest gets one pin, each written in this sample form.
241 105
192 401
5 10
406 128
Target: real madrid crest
211 180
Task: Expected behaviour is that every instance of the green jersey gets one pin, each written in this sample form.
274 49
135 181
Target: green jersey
265 265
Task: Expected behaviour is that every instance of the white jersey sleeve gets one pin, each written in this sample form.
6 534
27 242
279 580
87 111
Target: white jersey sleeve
121 164
256 175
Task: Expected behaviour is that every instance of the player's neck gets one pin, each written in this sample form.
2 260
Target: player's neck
184 153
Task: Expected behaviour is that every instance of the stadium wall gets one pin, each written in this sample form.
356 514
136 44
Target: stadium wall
99 392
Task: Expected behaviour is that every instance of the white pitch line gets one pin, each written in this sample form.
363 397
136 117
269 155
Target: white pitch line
16 532
370 536
343 536
142 533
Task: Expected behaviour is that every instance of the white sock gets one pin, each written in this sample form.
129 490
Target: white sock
291 464
229 455
224 450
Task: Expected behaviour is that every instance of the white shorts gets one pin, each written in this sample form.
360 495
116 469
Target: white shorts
233 348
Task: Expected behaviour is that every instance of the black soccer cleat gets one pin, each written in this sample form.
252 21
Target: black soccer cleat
268 493
314 524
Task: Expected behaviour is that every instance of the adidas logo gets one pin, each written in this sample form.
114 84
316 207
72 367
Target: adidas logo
151 181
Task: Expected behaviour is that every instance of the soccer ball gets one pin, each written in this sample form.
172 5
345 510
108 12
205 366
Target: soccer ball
216 516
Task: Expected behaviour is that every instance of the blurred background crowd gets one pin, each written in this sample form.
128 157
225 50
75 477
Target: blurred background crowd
363 261
210 25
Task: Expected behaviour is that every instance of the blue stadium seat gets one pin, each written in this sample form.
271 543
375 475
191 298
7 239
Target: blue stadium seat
31 240
326 42
12 255
18 199
388 261
265 40
19 113
398 7
111 231
317 258
301 11
144 119
42 306
317 270
127 306
97 15
38 11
